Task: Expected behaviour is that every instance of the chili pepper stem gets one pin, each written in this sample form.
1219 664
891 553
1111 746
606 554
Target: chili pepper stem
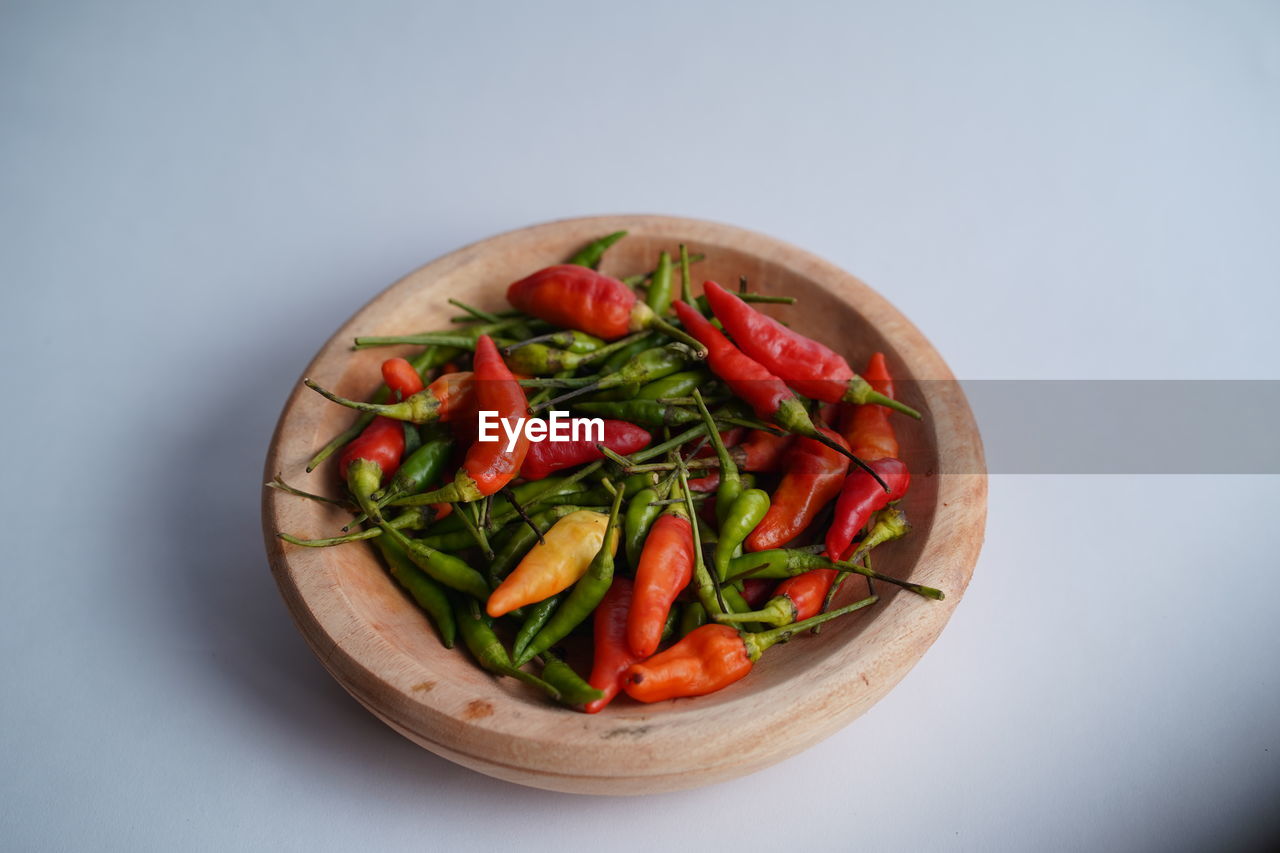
350 434
520 511
421 408
779 611
280 485
487 316
757 643
708 590
860 391
474 528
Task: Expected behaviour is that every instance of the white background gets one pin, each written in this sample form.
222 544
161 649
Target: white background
193 196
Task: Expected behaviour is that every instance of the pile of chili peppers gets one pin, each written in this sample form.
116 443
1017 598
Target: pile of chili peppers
745 473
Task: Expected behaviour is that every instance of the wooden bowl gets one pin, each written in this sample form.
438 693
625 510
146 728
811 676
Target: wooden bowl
378 645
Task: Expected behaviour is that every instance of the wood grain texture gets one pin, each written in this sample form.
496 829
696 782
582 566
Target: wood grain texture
377 644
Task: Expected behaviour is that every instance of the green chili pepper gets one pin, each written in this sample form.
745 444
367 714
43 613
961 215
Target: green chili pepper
446 568
616 359
694 615
680 384
541 360
730 485
776 563
570 340
477 633
584 596
635 483
644 367
535 617
659 295
743 516
639 518
420 469
669 627
648 413
430 596
574 691
591 254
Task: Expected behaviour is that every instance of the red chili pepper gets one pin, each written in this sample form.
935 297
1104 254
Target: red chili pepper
665 568
712 657
868 428
860 496
612 655
813 476
488 465
756 591
806 365
762 451
797 598
376 453
399 376
768 395
547 457
580 298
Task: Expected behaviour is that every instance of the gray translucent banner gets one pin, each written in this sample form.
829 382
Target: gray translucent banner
1117 426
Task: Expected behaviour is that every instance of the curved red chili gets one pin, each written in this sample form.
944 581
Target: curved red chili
812 479
860 496
868 428
810 367
664 569
547 457
580 298
612 655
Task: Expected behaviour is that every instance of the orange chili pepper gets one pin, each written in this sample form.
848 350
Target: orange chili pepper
813 476
712 657
612 656
665 568
554 564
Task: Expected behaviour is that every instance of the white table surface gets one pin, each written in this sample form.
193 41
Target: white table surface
192 196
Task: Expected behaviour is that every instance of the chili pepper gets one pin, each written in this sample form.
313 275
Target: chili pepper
457 339
744 515
868 428
538 359
703 584
692 615
422 467
665 567
669 627
399 375
803 363
861 496
659 296
634 483
523 538
637 345
796 598
686 277
442 400
750 380
762 451
711 658
812 479
756 591
489 466
428 359
547 457
579 298
679 384
784 563
570 340
447 569
375 454
586 593
478 635
612 655
591 254
640 516
648 413
574 692
644 367
890 523
552 565
534 618
429 595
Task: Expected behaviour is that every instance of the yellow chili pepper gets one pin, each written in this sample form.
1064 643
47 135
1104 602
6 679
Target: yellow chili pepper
553 565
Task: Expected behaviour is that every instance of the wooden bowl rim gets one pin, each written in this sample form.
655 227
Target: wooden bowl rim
554 748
